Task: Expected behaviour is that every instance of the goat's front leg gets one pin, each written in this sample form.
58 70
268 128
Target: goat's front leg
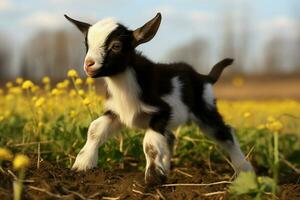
99 131
158 151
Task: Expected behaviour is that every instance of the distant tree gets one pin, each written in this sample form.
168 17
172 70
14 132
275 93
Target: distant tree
194 52
51 54
244 37
296 45
235 35
228 46
274 55
5 57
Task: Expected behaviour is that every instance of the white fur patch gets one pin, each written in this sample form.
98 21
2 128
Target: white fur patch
96 38
179 111
124 100
99 131
208 95
160 146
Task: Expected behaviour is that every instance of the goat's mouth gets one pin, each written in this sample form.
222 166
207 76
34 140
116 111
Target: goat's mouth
92 74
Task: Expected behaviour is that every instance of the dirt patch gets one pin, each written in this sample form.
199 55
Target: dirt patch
51 181
260 88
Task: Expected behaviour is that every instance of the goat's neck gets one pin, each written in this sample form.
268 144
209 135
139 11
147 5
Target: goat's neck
124 96
124 82
141 61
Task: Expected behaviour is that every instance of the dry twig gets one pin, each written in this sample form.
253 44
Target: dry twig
75 193
111 198
182 172
213 193
196 184
160 194
48 192
146 194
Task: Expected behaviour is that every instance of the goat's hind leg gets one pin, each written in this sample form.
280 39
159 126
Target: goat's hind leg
99 131
212 124
158 151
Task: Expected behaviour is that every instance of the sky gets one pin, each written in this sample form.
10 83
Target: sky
182 20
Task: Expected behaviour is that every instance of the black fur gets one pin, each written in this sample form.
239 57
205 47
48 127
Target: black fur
154 80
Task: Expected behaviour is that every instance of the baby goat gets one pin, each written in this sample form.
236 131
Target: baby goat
151 96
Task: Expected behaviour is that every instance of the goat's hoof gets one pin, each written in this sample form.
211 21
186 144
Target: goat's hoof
155 176
83 164
78 168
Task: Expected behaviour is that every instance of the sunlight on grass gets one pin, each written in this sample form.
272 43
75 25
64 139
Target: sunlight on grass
52 122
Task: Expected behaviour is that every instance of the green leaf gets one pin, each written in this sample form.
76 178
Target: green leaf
245 183
266 183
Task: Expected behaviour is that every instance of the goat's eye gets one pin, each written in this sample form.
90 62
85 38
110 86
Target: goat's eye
117 46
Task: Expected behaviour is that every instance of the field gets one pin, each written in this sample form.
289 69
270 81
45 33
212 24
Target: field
49 125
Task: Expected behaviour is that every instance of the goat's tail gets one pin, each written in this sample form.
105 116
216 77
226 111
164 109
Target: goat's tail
217 69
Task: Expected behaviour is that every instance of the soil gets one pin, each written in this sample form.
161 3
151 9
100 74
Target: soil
51 181
260 88
255 87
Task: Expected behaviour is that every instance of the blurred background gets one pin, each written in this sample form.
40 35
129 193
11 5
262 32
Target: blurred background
262 36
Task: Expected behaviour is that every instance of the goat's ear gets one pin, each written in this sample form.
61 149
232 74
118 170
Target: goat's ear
82 26
146 32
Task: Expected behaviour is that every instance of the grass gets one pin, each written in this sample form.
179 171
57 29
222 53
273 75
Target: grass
52 123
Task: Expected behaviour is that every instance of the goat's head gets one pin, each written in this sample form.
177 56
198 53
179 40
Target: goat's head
110 45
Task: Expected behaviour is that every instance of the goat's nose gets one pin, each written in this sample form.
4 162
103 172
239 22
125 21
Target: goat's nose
89 63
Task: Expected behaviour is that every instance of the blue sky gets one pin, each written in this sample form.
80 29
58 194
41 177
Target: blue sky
182 19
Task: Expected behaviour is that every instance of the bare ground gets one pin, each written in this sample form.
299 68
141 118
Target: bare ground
51 181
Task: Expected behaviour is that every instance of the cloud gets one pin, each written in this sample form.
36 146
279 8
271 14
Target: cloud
42 19
182 17
198 16
6 5
281 24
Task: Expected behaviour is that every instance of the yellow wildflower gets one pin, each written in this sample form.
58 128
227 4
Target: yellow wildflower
1 118
35 88
86 101
34 98
21 162
55 92
40 102
19 80
78 81
81 92
247 114
15 90
238 81
73 114
60 85
7 114
46 80
72 93
261 127
9 97
5 154
27 84
260 180
40 124
89 81
66 82
271 119
72 73
9 84
275 126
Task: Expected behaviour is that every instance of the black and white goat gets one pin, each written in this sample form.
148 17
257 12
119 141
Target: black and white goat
151 96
